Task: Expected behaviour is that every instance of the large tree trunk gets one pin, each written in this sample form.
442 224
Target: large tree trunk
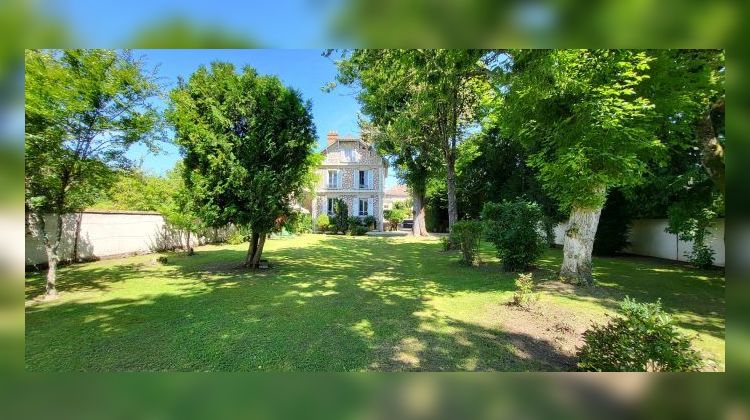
52 248
189 248
577 245
712 155
74 257
418 226
258 251
451 184
251 249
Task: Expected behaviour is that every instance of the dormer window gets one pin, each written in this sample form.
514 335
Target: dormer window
350 155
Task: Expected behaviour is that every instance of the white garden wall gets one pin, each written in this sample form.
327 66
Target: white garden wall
649 238
109 234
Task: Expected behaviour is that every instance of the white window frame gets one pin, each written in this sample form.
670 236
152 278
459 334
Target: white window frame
329 206
368 178
349 155
336 174
367 211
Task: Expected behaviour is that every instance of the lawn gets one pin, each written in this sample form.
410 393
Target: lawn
335 303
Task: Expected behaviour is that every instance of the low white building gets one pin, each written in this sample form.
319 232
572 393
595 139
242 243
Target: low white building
393 194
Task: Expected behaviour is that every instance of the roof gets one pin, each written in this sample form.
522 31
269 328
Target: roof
343 139
398 191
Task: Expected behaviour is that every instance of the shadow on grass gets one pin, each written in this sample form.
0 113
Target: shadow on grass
343 304
696 297
333 304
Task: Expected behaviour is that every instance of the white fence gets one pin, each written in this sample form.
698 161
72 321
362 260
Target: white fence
647 237
93 235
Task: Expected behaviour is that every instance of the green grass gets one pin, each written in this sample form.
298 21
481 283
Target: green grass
336 304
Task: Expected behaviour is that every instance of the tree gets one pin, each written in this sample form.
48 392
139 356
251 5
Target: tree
83 109
581 113
247 141
415 164
134 189
178 209
426 96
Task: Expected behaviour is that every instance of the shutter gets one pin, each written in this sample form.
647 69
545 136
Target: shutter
338 178
369 179
370 209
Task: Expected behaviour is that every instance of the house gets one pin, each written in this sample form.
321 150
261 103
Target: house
353 171
393 194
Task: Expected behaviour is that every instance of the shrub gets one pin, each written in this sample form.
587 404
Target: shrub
467 233
358 230
240 235
370 222
702 255
298 222
353 222
524 290
162 259
322 222
394 217
691 222
340 221
516 230
332 225
643 338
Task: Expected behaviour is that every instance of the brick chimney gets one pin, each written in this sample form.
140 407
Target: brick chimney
332 137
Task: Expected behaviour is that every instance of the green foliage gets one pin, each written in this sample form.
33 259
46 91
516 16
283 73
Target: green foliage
358 230
402 205
614 225
394 217
298 222
516 230
83 109
422 100
691 223
340 220
491 164
643 338
582 114
241 234
524 292
353 222
247 141
322 222
370 221
135 190
468 235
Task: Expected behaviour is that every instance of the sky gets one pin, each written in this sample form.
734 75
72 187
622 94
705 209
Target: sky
305 70
300 23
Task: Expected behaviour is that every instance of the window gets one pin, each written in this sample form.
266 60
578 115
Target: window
350 155
334 180
330 206
364 207
365 180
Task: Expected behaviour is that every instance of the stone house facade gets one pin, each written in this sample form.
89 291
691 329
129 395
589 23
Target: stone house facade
352 171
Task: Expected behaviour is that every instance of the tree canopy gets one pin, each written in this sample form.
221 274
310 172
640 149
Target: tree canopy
83 110
247 141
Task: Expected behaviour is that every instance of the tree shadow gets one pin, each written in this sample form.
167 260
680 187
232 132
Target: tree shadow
336 304
312 312
696 297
